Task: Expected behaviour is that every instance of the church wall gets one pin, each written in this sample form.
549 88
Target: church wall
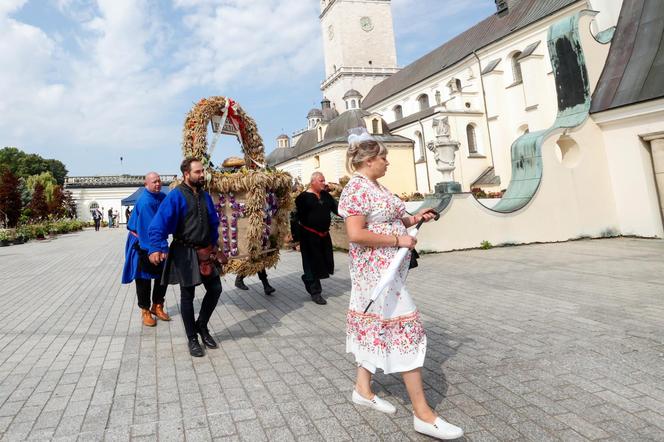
294 168
400 176
573 201
510 107
631 167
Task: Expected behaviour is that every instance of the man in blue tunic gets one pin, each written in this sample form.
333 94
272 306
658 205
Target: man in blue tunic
188 214
137 266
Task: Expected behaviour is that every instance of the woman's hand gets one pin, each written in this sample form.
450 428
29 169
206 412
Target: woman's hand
428 214
407 241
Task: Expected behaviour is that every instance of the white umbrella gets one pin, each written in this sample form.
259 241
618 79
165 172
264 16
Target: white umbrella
391 274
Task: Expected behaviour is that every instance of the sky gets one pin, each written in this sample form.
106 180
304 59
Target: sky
88 82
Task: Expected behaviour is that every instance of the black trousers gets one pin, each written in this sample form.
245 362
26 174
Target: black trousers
97 223
212 286
143 292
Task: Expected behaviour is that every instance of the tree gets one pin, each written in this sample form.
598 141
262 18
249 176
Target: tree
58 170
24 165
26 194
56 206
69 204
38 206
10 197
46 180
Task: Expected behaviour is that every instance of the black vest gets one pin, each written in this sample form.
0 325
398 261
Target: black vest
194 228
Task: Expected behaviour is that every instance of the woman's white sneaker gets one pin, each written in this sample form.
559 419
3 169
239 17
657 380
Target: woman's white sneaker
439 429
376 403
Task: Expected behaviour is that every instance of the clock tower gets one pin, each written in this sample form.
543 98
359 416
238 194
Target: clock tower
358 41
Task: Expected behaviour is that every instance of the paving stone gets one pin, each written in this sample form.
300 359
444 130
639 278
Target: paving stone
572 352
582 427
250 431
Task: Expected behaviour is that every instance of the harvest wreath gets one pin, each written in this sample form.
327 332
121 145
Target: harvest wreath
253 202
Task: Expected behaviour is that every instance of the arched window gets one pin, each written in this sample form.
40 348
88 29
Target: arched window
516 68
457 83
423 100
472 138
398 112
353 104
317 161
438 97
420 152
374 127
320 134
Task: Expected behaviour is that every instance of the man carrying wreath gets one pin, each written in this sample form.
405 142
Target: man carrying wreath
189 215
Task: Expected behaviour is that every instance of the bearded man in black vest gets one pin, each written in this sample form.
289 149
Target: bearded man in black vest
188 214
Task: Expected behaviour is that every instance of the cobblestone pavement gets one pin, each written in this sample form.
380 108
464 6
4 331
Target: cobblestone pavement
542 342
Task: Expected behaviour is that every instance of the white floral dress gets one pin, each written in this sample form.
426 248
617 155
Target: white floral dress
390 335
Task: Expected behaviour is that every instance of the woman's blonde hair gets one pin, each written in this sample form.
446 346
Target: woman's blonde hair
360 151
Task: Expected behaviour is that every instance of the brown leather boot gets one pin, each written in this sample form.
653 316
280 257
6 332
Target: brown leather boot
148 320
158 311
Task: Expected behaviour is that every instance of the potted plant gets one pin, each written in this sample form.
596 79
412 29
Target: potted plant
39 231
4 237
22 235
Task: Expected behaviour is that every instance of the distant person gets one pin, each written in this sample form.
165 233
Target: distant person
97 217
188 213
138 267
110 218
127 214
116 218
314 206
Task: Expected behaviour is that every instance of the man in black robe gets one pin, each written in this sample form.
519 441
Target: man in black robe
314 206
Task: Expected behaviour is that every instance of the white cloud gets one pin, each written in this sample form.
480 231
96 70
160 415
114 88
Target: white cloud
251 41
123 83
9 6
116 75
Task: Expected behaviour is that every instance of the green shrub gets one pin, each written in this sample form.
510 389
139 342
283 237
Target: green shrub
5 235
23 233
486 245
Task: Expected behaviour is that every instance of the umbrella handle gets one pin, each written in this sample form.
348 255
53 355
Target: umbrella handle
421 221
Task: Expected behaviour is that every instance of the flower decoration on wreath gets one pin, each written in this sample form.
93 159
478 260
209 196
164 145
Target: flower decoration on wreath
266 200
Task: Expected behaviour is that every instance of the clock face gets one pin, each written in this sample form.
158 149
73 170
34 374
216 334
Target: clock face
366 24
330 32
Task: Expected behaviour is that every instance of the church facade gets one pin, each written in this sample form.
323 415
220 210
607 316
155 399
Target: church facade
530 94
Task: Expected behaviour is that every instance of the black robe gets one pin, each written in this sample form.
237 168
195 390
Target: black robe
316 248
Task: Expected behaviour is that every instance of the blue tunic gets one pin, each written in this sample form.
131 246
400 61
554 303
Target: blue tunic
144 211
167 219
187 223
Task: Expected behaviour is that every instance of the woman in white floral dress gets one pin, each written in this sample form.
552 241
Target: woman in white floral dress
390 335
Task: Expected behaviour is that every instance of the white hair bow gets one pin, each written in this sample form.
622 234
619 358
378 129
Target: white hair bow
357 135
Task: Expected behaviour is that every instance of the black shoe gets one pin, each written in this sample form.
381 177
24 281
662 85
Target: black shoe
208 341
239 283
268 289
195 348
318 299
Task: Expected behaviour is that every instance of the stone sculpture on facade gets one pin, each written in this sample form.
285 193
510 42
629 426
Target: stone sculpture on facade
444 151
